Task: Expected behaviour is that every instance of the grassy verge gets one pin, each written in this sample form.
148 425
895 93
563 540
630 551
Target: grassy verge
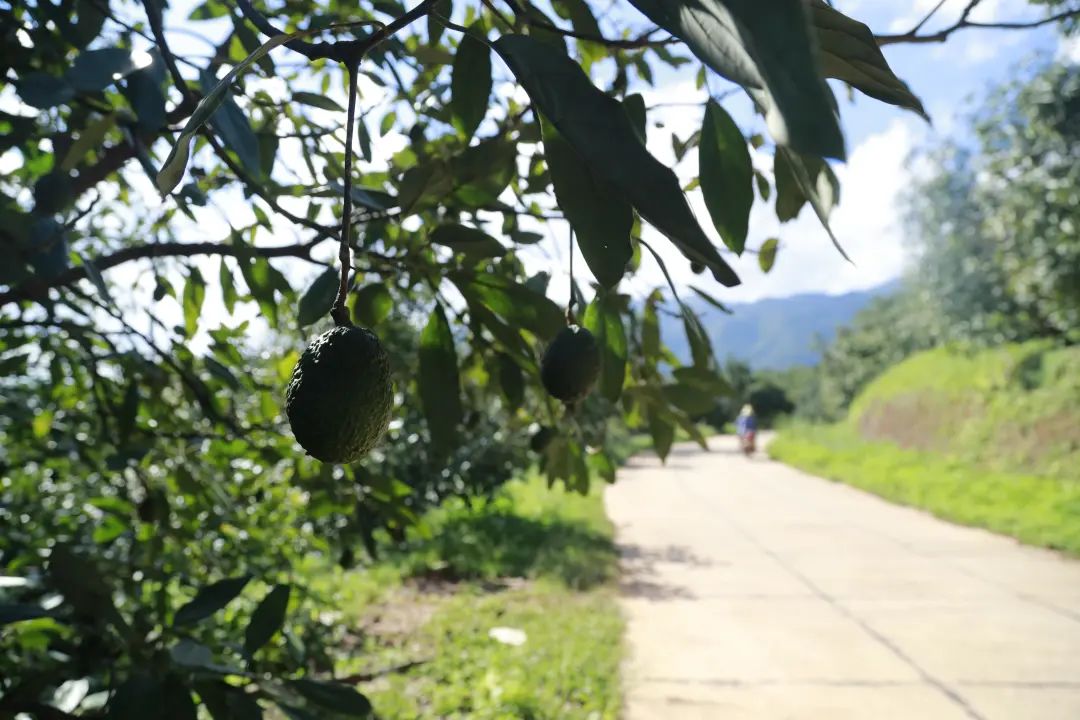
1035 510
535 560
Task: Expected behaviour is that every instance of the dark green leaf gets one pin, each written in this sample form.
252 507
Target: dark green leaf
230 123
511 380
599 129
194 293
767 254
317 101
703 378
772 53
601 464
209 600
226 702
175 702
662 431
602 319
850 53
816 183
89 22
635 108
372 304
579 15
134 696
470 241
317 300
789 195
727 176
17 612
267 619
689 399
470 82
598 213
95 70
517 304
143 91
341 699
483 171
44 91
439 382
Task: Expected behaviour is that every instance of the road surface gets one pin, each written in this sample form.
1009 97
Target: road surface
752 590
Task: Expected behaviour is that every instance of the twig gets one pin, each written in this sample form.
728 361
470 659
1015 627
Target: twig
963 23
339 312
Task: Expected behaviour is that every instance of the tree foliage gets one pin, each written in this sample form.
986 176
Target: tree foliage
173 195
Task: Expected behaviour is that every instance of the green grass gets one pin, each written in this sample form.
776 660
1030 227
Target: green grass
536 559
1037 510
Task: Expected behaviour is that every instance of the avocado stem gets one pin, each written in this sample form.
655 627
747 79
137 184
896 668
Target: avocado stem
339 312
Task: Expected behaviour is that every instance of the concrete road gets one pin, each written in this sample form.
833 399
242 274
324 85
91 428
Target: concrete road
752 590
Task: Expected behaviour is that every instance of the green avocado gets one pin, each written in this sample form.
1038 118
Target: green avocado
340 396
571 364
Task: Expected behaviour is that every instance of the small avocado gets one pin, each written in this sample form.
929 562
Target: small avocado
340 396
571 364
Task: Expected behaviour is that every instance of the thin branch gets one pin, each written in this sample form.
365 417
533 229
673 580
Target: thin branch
35 289
926 18
963 23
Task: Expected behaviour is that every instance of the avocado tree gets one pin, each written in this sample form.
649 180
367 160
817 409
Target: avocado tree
189 195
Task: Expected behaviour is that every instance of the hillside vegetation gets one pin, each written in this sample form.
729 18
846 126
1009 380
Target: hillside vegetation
989 438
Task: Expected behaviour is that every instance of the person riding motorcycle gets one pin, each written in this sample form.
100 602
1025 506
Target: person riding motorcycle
746 428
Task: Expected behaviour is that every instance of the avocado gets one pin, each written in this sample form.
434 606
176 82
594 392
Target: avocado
571 364
340 396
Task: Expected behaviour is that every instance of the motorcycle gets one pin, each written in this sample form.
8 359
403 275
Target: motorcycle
748 442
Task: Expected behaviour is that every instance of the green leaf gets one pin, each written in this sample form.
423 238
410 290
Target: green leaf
439 382
228 286
95 70
711 300
194 293
173 168
229 122
603 320
817 183
708 380
227 702
209 600
767 254
511 380
175 702
90 138
599 128
602 464
850 53
267 619
131 700
516 304
599 214
650 329
470 82
662 431
689 399
700 346
579 15
727 176
372 304
341 699
483 171
472 242
95 277
789 195
317 101
143 91
317 300
771 53
43 91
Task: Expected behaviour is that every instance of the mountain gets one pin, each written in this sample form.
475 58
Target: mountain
776 333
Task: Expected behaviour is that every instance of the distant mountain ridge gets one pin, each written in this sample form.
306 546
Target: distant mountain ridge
775 333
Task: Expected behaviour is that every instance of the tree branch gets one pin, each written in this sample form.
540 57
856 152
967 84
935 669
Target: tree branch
35 289
913 36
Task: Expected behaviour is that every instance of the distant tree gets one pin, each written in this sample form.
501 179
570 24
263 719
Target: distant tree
997 224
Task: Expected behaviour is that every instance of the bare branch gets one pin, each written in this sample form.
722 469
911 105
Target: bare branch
913 36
